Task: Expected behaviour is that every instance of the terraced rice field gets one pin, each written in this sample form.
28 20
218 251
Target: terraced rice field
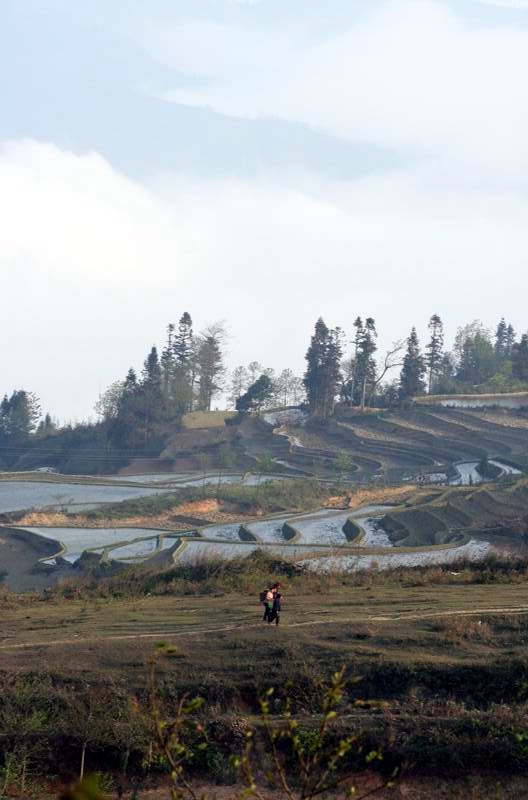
118 543
26 495
437 516
423 440
436 523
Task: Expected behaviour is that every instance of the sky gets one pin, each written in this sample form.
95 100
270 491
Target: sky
262 162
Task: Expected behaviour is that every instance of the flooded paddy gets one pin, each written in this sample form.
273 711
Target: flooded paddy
473 550
270 530
468 474
326 528
319 542
229 531
75 541
35 495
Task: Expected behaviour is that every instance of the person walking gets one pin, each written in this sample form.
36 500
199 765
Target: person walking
274 614
267 598
271 600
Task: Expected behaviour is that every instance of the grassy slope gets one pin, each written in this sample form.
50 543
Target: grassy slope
442 659
401 623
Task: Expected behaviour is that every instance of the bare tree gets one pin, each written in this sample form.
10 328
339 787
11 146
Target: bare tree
393 358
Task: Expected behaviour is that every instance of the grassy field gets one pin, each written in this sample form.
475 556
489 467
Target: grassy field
432 625
435 659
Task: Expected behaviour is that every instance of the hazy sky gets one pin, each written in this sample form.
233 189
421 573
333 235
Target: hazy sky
263 162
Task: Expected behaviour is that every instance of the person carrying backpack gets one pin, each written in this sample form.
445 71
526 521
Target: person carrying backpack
266 598
270 599
276 604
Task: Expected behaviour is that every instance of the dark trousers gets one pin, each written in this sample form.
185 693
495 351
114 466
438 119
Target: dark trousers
273 615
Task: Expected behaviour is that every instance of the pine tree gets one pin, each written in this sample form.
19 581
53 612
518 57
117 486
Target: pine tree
210 364
322 371
19 415
358 325
500 339
365 373
509 342
433 358
181 395
183 343
150 406
167 363
412 375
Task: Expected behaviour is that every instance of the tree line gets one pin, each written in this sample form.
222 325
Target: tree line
480 361
188 373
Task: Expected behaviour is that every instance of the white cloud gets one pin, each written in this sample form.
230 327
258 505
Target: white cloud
523 4
106 263
74 215
411 76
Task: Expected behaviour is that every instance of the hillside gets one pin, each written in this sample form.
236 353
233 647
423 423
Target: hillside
386 446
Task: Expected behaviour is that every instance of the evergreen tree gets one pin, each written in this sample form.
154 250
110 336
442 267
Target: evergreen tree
47 426
183 343
210 364
256 396
322 371
433 358
19 415
123 425
365 372
151 375
500 339
475 354
351 390
150 405
509 341
412 375
520 359
167 363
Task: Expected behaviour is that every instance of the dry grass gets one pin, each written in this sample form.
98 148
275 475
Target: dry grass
206 419
391 495
504 420
456 629
209 508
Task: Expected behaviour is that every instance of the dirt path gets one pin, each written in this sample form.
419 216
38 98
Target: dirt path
166 636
